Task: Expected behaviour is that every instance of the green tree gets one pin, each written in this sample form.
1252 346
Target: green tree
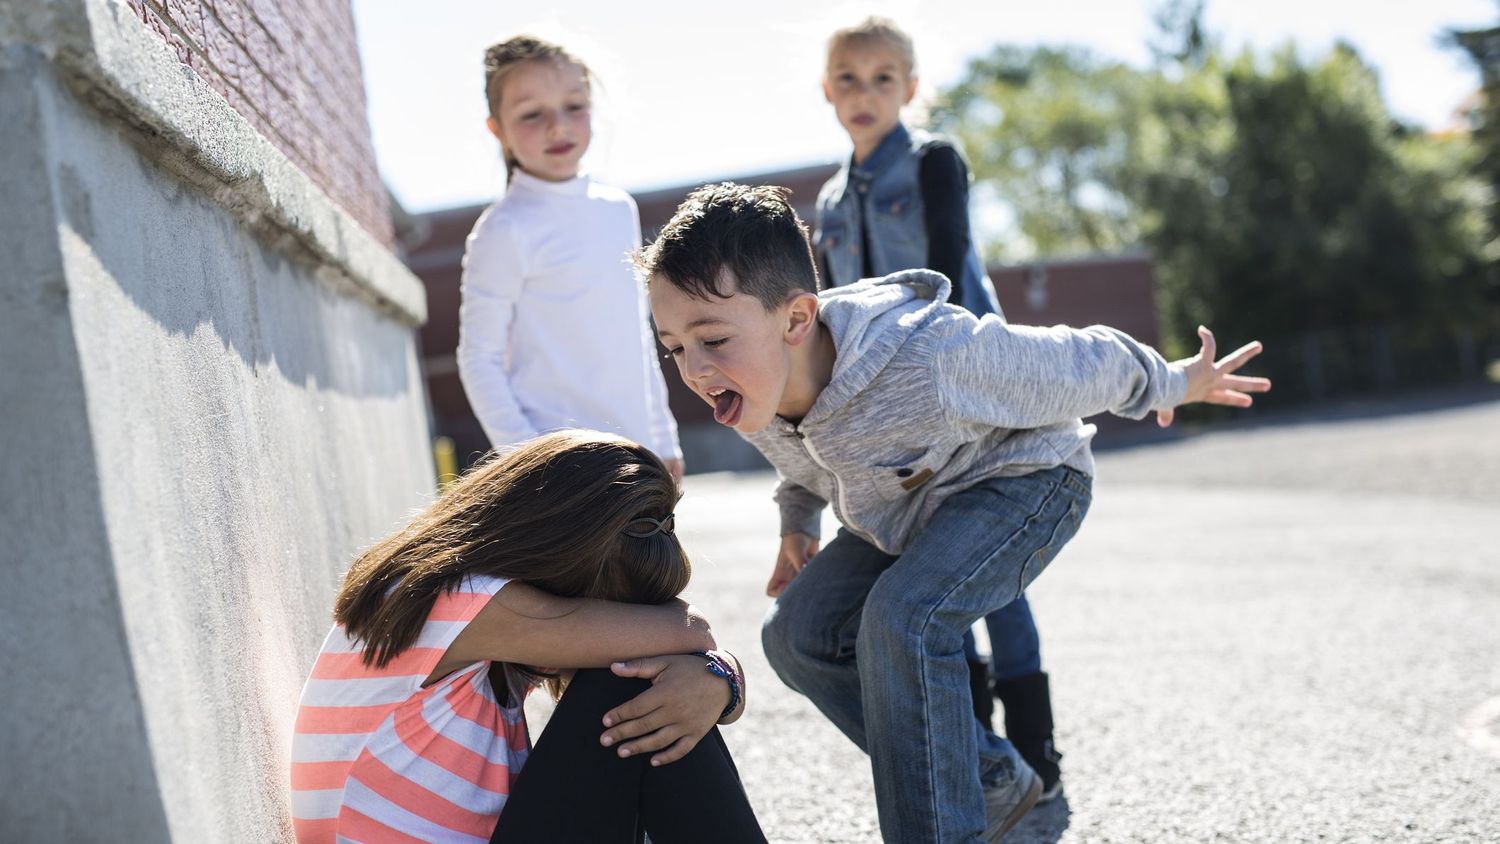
1279 197
1304 208
1045 129
1482 46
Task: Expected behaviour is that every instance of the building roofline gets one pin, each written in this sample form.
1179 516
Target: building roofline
1076 260
654 194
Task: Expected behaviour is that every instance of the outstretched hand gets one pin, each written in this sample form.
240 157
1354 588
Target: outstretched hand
1214 382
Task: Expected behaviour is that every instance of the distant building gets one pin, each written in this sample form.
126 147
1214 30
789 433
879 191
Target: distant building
1113 289
1118 290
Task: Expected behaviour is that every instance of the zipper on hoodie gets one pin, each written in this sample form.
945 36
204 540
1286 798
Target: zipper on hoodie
840 503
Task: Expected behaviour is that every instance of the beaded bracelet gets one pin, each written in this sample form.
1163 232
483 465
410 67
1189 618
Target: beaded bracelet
721 666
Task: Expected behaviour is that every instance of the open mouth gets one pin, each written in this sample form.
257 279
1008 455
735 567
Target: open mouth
864 119
727 406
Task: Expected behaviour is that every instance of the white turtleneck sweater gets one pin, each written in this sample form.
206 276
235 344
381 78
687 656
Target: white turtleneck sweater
554 329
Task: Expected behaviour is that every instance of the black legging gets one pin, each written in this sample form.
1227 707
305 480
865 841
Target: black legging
573 789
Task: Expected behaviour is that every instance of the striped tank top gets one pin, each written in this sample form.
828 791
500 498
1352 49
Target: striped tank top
376 757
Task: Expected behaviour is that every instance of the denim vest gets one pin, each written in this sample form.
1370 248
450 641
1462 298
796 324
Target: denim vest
886 191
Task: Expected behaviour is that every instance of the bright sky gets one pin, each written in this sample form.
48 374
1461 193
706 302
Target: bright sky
696 91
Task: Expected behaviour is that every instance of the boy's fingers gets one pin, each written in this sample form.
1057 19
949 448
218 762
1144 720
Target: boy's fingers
1164 417
786 569
679 749
1245 384
1210 346
1229 397
1240 357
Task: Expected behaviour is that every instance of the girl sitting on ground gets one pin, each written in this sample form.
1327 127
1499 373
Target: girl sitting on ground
559 554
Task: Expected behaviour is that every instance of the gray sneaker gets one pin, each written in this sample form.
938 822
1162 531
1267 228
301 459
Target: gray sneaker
1006 803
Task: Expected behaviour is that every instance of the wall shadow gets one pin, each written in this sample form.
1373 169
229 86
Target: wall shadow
191 264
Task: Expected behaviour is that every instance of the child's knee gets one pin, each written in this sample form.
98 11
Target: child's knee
775 635
897 623
789 636
600 689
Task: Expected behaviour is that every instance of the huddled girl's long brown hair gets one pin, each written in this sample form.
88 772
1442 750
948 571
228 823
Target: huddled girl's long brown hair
553 514
500 59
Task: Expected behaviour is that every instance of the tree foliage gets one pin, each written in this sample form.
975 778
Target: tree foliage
1482 46
1045 128
1282 198
1278 195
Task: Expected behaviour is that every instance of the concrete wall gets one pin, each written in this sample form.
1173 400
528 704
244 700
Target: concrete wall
210 400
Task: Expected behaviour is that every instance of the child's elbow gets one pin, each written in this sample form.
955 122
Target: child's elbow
699 631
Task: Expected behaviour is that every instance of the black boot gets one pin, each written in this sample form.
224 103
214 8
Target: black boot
1028 725
979 687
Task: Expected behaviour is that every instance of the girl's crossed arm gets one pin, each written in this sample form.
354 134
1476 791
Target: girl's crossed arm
525 625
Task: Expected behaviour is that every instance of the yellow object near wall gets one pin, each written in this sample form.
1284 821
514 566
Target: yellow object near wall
445 460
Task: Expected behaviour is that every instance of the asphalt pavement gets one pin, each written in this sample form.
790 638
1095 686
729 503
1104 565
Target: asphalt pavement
1281 631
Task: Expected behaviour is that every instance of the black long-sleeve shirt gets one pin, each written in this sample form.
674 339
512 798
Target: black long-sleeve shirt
944 181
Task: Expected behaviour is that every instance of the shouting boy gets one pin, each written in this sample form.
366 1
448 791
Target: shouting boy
952 451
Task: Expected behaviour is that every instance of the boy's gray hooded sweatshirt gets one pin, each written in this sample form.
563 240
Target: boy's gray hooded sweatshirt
927 400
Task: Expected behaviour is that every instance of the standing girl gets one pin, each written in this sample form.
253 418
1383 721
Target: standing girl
554 328
411 725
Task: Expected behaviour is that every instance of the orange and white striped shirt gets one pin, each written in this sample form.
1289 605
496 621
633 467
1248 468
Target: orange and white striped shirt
376 757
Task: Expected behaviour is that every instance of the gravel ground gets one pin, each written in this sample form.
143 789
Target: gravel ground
1285 631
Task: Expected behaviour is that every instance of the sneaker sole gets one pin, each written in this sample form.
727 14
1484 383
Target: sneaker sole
1050 794
1033 794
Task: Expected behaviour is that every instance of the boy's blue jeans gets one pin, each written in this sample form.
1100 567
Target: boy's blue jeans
876 642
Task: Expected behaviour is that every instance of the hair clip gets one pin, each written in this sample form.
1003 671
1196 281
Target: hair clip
657 526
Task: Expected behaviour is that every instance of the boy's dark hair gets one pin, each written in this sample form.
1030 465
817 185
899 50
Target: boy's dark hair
752 232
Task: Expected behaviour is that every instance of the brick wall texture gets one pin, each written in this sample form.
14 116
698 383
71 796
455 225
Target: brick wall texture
292 69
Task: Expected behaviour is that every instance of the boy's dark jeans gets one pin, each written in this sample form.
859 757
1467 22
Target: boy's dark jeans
875 641
573 789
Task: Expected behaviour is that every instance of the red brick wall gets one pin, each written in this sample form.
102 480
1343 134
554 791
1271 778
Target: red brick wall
1114 290
292 69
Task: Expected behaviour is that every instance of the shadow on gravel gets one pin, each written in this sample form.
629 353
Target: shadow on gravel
1042 825
1380 406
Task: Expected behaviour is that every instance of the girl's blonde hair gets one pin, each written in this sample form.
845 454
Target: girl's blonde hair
876 29
500 59
569 513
